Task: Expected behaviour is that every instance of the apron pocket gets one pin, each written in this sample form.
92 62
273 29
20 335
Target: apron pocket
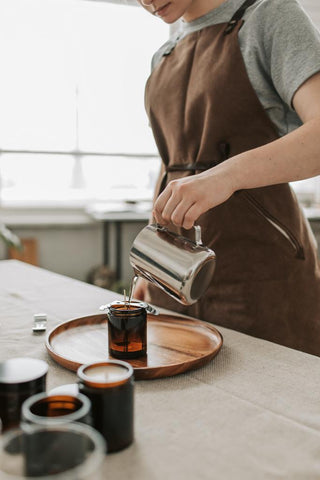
291 240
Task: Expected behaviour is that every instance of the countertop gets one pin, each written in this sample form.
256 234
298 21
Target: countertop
253 412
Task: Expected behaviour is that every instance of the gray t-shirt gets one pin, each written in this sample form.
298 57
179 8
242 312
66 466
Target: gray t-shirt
280 47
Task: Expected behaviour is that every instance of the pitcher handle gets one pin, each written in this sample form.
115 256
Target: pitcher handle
197 231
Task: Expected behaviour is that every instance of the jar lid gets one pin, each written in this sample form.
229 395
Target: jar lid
21 371
106 374
132 307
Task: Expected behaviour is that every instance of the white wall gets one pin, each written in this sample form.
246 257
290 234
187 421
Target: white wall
75 250
71 251
313 8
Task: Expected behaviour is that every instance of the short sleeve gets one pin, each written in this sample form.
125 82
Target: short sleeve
292 45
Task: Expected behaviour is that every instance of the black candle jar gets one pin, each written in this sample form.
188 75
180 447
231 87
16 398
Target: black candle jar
110 388
20 378
127 329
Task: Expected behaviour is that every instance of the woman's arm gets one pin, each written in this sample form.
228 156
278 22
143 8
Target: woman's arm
295 156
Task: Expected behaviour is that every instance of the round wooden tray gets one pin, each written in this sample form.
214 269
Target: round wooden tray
175 344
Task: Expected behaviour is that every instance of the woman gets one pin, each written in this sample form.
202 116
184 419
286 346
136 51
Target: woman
234 104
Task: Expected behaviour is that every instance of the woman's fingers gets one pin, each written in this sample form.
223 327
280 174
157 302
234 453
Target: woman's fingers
179 213
191 216
173 204
184 200
162 209
169 208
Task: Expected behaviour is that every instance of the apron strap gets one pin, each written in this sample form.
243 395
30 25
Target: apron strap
238 15
189 167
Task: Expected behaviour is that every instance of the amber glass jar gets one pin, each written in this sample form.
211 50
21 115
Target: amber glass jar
127 329
51 409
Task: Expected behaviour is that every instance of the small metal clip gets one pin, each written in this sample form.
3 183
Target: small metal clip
230 26
39 322
170 47
148 307
168 51
152 310
104 308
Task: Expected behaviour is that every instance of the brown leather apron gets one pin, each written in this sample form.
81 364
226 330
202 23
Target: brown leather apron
203 110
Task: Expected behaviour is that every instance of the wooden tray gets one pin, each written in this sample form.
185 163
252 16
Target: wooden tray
175 344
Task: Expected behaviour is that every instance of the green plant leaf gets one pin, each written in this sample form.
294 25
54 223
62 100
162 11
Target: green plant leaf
9 238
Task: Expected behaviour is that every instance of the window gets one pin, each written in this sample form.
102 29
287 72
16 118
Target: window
73 129
72 120
308 191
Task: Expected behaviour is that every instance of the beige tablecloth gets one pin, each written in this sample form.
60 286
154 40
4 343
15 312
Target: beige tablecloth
252 413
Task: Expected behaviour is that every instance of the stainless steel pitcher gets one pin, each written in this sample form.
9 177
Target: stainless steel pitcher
177 265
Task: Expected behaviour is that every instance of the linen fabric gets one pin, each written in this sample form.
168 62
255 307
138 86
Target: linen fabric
251 413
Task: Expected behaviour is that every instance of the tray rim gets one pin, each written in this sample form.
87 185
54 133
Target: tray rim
143 372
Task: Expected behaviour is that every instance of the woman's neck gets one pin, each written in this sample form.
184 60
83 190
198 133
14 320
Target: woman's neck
198 8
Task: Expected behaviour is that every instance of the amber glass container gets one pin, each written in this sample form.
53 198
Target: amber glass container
110 387
127 329
50 409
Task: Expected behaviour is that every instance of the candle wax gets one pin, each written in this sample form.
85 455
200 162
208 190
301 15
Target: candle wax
106 373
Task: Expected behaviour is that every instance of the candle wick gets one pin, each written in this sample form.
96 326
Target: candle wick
126 340
125 297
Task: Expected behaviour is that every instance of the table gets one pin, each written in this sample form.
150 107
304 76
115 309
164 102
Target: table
252 413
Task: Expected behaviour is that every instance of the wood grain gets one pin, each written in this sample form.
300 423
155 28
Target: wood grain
175 344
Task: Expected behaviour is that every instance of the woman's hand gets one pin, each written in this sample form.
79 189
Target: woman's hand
140 289
184 200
